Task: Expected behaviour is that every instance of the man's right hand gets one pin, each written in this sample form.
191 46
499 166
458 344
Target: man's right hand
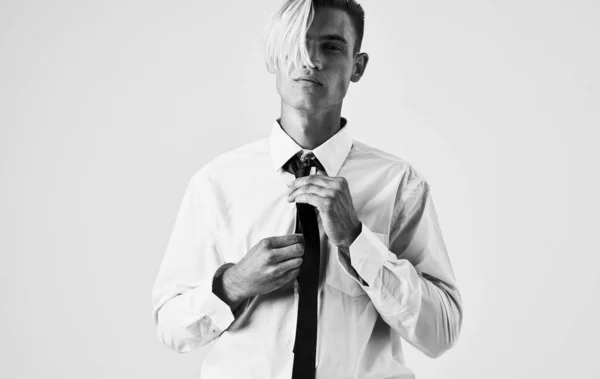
270 264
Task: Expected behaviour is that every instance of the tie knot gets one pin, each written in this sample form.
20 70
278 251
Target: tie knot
301 163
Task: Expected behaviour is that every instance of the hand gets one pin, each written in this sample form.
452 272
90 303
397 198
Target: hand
331 197
270 264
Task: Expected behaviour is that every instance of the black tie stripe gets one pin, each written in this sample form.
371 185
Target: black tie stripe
305 345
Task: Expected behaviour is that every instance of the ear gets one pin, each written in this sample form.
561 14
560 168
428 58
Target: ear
360 65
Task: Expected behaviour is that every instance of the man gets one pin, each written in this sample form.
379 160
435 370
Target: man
308 253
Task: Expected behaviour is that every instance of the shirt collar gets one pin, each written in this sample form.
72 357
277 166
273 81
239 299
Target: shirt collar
331 153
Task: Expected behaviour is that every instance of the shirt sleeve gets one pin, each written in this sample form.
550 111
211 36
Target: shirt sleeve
186 312
411 284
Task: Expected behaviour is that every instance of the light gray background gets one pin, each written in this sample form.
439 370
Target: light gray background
109 107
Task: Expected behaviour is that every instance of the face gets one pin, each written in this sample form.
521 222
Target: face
330 43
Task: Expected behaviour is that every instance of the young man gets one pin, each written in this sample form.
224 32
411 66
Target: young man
308 253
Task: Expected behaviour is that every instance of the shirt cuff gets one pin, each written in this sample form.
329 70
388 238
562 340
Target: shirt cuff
215 314
368 255
221 315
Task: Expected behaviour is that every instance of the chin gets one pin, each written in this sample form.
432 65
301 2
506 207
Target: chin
307 106
305 102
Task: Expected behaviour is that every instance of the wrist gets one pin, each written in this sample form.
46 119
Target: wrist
233 285
353 236
227 287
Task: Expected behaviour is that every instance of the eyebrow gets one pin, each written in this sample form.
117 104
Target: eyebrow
331 37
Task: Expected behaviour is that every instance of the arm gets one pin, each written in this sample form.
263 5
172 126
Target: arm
411 284
186 312
197 296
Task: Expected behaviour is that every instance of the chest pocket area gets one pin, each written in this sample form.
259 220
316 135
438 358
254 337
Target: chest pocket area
341 275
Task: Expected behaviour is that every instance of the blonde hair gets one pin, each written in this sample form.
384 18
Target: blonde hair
285 33
285 36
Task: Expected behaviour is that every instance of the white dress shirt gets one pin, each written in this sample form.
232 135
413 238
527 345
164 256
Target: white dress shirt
397 283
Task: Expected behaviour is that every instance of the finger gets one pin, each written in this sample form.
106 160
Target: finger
322 172
283 241
321 180
313 199
280 270
314 189
290 264
291 275
288 252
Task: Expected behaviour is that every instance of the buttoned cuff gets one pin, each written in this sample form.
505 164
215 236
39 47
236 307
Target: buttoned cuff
368 255
220 314
214 313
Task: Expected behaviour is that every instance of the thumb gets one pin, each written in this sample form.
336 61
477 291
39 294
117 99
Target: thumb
321 172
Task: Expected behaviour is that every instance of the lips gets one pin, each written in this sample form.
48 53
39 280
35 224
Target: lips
308 79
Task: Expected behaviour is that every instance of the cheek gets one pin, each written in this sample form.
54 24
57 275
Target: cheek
279 80
342 84
278 83
282 83
343 73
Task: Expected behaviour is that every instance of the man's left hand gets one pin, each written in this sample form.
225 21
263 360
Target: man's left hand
331 197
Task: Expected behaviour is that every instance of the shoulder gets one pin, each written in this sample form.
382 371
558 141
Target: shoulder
233 162
391 166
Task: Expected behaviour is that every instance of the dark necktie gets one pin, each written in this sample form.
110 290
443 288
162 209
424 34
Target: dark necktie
305 346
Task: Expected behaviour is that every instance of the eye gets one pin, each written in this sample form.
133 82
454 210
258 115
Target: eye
333 47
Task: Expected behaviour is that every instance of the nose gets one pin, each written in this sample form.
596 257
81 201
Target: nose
314 55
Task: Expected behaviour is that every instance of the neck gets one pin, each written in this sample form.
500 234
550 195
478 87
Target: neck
310 128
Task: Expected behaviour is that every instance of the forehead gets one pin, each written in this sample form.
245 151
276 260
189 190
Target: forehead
331 21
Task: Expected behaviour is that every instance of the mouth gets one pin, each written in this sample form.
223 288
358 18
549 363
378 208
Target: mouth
308 79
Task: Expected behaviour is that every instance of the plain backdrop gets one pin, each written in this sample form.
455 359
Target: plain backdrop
108 107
